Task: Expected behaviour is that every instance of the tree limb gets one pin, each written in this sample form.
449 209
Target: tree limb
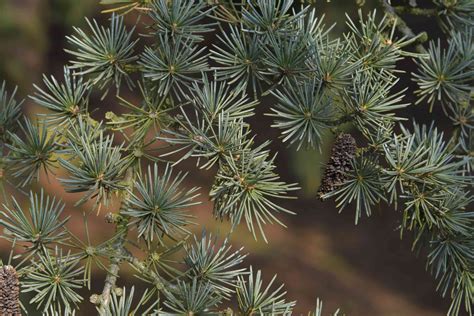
118 245
403 28
416 11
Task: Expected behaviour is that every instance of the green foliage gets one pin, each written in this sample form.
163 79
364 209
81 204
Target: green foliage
105 53
421 158
285 59
124 6
333 64
91 255
180 18
245 187
196 100
54 280
159 210
445 76
304 113
319 309
99 172
371 102
173 65
192 298
237 57
254 299
364 185
10 112
37 228
122 305
213 99
152 113
456 13
31 152
268 17
216 266
373 42
68 99
212 142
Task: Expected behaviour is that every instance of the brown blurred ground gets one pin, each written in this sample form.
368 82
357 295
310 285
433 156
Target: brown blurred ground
364 269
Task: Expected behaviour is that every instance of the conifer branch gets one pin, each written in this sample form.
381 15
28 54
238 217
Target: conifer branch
403 27
189 108
118 245
429 12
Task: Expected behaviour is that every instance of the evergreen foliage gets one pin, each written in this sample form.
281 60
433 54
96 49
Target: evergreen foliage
195 101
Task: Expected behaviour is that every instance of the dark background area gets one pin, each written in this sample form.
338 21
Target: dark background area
364 269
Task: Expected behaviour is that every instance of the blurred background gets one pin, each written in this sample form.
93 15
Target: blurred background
364 269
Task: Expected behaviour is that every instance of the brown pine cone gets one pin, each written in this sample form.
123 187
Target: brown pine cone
9 292
339 164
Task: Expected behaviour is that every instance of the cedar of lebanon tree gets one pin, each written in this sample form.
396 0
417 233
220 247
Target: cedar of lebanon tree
195 101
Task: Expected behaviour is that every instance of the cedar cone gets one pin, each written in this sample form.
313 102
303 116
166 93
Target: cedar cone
339 164
9 292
